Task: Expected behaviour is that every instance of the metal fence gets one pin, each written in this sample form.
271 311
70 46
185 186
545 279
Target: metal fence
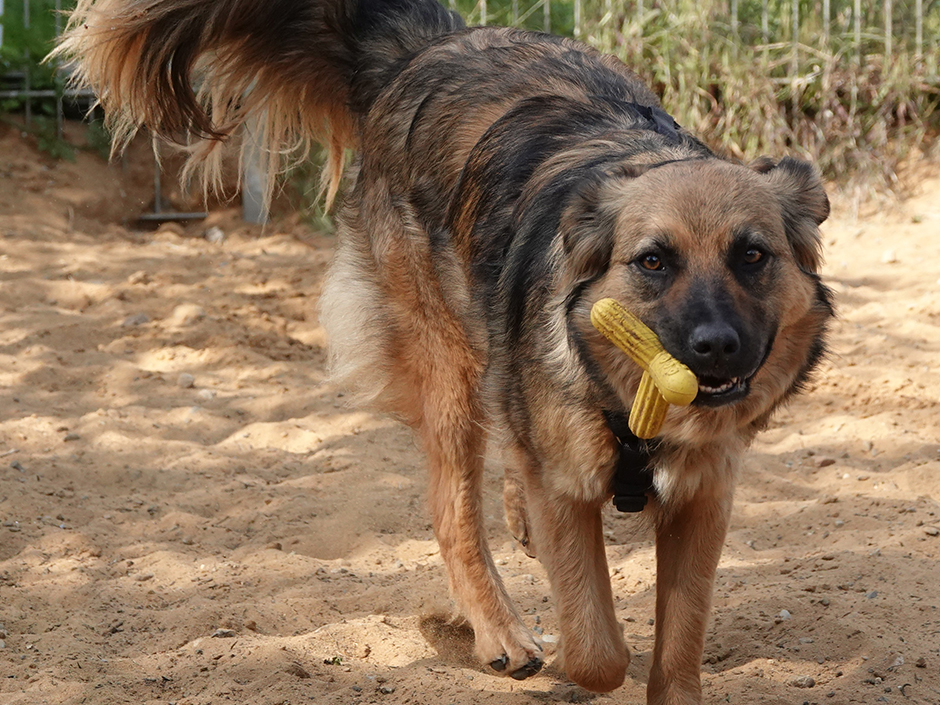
895 29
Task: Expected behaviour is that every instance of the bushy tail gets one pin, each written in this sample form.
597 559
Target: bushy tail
195 71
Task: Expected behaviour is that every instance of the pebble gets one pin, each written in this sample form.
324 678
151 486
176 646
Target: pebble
207 394
932 531
223 634
136 319
139 277
215 234
823 462
187 314
872 595
186 380
889 257
69 437
387 689
921 662
3 644
784 615
803 682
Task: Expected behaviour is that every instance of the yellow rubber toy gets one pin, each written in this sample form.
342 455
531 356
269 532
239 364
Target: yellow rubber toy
665 380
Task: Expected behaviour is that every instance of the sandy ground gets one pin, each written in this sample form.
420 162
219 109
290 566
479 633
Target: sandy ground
190 514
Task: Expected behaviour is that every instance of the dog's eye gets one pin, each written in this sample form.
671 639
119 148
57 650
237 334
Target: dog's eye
753 255
652 262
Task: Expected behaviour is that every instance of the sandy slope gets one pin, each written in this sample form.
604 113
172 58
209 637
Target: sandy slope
241 536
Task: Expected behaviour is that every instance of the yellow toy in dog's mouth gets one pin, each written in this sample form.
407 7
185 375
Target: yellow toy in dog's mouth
665 380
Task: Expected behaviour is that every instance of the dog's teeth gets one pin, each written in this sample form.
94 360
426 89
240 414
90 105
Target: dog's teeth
726 387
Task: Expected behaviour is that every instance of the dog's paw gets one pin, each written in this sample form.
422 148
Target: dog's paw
526 542
530 669
599 670
519 655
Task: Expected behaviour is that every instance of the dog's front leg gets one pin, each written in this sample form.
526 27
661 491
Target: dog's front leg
688 545
570 541
455 445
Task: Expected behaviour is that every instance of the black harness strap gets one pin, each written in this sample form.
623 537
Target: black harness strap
633 478
661 121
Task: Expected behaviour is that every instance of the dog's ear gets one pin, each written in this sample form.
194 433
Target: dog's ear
763 164
587 235
803 203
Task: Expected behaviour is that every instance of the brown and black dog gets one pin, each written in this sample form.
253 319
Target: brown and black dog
505 181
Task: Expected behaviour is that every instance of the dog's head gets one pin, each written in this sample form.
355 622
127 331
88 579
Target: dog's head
720 260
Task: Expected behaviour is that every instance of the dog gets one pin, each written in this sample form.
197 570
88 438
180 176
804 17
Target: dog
503 182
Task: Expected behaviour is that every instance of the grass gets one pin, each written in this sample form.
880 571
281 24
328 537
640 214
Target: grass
858 116
855 112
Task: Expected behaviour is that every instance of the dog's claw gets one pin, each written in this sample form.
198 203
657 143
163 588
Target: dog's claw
530 669
500 663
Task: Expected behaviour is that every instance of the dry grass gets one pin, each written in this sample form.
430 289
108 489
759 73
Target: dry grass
857 117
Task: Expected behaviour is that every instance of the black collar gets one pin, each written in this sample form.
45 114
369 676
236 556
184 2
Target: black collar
633 477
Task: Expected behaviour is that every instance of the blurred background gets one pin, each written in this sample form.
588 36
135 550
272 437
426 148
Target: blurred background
852 86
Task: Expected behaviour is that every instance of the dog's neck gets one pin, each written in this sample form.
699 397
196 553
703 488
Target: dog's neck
633 475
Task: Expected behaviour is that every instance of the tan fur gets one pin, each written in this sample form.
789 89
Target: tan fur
431 312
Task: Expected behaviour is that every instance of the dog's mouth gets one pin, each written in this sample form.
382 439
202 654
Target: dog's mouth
713 391
717 391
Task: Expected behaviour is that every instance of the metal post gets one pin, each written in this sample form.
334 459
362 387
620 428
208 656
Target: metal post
59 113
28 115
157 198
765 29
857 12
795 59
919 29
254 178
27 85
889 30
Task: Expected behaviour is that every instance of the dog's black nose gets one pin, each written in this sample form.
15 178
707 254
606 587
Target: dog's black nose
714 344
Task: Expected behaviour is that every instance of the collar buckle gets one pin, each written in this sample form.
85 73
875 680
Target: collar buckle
632 482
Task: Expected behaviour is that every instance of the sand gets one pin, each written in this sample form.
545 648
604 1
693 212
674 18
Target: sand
191 514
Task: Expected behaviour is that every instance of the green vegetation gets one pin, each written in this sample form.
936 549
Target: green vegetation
846 105
839 93
26 43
